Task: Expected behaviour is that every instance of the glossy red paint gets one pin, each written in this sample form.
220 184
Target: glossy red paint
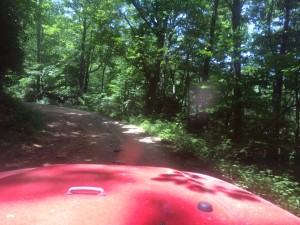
133 195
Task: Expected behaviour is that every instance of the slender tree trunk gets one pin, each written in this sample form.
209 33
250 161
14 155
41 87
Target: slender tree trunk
39 33
38 47
238 111
164 75
82 63
103 77
206 66
87 67
86 77
160 73
187 94
297 129
151 98
276 101
278 82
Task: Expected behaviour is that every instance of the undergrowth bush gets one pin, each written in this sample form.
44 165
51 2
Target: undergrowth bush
113 106
279 189
176 133
18 119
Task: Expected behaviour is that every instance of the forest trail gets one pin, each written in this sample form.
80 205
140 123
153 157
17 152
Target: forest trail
76 136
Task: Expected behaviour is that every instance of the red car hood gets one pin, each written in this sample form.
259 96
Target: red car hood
127 195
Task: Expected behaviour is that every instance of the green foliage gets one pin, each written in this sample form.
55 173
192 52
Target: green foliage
175 133
11 54
279 189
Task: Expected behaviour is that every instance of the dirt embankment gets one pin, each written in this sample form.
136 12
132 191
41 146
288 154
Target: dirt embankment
76 136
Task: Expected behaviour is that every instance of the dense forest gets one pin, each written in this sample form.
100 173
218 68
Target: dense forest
226 72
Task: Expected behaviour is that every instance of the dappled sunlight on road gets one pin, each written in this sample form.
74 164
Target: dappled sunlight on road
135 146
77 114
52 125
37 145
150 140
71 124
131 129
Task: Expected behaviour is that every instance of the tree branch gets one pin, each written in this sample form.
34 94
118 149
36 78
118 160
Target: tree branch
142 15
127 20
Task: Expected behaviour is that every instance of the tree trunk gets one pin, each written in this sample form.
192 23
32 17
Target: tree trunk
278 83
39 33
154 78
151 98
238 111
82 63
187 95
38 47
87 67
206 66
297 138
103 77
86 77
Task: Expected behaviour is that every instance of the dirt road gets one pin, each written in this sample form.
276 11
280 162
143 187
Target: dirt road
76 136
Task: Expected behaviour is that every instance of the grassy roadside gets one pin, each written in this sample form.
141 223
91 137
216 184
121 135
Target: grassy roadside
281 189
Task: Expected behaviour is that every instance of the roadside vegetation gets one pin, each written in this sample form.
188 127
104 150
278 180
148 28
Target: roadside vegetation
277 186
18 120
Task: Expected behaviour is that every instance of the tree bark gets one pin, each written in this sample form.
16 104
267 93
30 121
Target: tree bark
297 129
206 66
38 47
87 66
151 98
39 33
82 63
238 110
278 82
